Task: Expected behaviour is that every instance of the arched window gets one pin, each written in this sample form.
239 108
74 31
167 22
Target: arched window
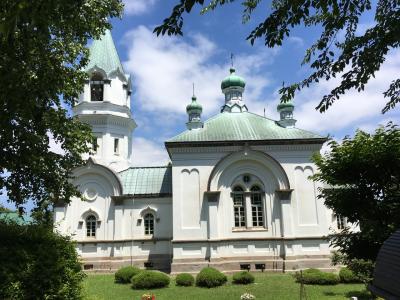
256 207
91 226
96 87
239 213
148 224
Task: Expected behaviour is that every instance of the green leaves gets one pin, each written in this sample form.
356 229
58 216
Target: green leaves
339 51
43 54
361 179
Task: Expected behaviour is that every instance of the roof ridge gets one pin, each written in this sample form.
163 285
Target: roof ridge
145 167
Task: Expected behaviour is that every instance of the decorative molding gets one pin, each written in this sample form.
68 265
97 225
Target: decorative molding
212 196
249 239
284 194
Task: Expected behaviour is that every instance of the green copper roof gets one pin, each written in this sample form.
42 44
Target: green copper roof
283 105
147 181
194 106
243 126
103 54
232 80
15 217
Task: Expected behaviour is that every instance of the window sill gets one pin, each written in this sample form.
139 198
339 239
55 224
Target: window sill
252 229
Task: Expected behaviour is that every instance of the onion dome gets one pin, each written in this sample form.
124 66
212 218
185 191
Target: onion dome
233 80
194 107
285 105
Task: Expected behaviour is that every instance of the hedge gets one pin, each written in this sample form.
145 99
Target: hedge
184 279
210 277
347 276
125 274
243 277
315 276
150 280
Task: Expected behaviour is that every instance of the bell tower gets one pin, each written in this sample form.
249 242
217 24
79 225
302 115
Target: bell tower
105 105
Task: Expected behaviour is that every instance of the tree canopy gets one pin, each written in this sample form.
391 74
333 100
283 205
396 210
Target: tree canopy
361 179
340 51
42 46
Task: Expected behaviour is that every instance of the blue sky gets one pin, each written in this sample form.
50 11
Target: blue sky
164 68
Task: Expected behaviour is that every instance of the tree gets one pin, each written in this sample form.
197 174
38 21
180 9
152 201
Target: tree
361 179
38 263
355 57
42 46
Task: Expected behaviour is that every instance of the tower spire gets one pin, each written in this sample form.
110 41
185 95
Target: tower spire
233 87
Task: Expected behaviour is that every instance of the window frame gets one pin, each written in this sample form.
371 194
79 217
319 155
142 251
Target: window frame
239 210
91 226
149 224
96 81
257 209
116 146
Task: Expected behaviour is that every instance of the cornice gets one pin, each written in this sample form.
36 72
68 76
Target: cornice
108 119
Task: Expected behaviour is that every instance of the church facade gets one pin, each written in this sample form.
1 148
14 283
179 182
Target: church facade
236 194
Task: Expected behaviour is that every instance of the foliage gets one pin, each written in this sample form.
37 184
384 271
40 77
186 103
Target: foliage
269 286
361 179
347 276
184 279
43 52
341 50
315 276
38 263
210 277
361 268
4 209
125 274
150 280
243 277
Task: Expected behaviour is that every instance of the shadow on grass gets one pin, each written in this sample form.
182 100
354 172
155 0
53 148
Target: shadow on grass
361 295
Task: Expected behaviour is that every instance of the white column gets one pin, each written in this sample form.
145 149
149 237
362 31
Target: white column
118 219
247 203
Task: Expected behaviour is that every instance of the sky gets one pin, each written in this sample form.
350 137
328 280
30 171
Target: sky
165 68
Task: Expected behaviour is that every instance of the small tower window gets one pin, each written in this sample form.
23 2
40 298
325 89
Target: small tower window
148 224
91 226
96 87
95 145
116 146
340 222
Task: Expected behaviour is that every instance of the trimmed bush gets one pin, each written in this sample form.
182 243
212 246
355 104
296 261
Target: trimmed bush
347 276
125 274
150 280
210 277
243 277
315 276
184 279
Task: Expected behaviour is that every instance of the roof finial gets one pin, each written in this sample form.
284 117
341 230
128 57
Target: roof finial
193 89
232 59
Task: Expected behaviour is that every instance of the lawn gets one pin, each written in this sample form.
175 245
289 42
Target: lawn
267 286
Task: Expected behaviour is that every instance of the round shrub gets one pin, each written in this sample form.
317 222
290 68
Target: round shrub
184 279
210 277
243 277
125 274
347 276
150 280
315 276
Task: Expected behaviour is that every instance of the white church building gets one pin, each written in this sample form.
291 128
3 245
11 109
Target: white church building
235 195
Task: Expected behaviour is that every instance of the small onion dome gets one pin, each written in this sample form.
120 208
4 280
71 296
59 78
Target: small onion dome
233 80
194 107
285 105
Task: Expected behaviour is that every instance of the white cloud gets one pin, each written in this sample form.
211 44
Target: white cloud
136 7
148 153
354 109
165 68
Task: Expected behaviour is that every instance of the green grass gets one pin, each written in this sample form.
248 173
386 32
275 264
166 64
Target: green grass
266 286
